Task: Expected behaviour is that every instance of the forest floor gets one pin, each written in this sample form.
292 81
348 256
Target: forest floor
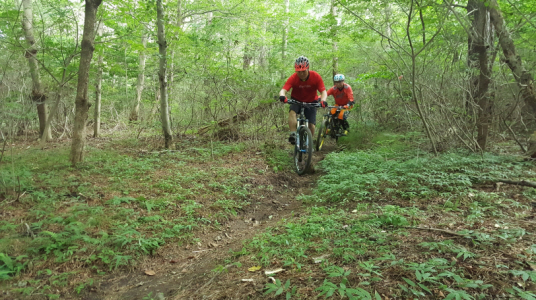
209 220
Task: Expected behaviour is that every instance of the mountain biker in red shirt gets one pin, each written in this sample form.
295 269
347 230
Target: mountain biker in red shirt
344 96
304 85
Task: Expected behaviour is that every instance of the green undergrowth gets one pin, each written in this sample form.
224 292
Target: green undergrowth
366 136
382 174
112 209
277 156
369 239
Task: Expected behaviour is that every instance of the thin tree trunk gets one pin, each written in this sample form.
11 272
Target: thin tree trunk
51 113
284 42
98 98
413 73
388 30
162 46
98 90
262 52
37 91
126 76
81 100
247 56
134 115
334 38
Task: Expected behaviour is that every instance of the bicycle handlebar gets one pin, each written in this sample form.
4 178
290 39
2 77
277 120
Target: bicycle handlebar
312 104
309 104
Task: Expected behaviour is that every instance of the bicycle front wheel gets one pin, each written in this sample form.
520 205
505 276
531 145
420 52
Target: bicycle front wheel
321 135
303 151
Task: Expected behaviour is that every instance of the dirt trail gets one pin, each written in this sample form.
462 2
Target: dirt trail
186 272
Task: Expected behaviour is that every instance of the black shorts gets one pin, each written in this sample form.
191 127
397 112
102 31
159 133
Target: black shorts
310 112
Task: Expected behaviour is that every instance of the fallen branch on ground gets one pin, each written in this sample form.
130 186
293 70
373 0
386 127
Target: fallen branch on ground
239 117
522 182
507 181
438 230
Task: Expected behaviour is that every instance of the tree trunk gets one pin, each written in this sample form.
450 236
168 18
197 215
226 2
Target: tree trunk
284 42
413 83
134 115
98 90
98 98
247 55
37 91
81 100
334 38
262 50
388 29
51 113
162 47
480 40
523 78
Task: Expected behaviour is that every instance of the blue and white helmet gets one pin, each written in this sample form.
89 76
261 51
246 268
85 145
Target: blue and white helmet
338 77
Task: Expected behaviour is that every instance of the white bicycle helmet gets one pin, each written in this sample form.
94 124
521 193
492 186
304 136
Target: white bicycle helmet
338 77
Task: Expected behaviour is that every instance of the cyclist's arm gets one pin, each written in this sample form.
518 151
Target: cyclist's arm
283 92
350 94
323 95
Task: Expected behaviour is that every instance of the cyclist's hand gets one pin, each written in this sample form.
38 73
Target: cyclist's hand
351 104
345 107
283 99
324 104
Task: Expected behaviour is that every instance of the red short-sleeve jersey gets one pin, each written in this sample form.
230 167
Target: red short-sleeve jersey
343 96
305 91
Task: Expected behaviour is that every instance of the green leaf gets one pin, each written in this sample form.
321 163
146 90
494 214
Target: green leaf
424 288
409 282
377 296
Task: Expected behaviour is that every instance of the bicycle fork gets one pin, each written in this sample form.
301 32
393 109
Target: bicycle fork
298 144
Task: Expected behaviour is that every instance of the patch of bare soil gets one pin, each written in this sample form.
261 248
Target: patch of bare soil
186 272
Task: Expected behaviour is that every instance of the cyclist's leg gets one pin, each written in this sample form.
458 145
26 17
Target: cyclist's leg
310 114
312 128
341 114
345 124
292 122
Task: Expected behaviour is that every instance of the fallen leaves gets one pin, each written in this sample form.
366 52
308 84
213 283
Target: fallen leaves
254 269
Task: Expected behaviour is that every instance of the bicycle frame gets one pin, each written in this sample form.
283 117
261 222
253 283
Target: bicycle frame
301 119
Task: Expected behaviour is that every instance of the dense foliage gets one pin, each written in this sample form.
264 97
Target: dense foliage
407 62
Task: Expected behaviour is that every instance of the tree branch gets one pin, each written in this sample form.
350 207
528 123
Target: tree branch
521 14
374 29
450 5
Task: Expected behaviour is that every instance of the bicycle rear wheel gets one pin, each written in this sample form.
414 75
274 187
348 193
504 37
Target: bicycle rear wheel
321 135
303 155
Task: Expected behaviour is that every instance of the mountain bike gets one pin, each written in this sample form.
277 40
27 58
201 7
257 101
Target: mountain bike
303 149
329 127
